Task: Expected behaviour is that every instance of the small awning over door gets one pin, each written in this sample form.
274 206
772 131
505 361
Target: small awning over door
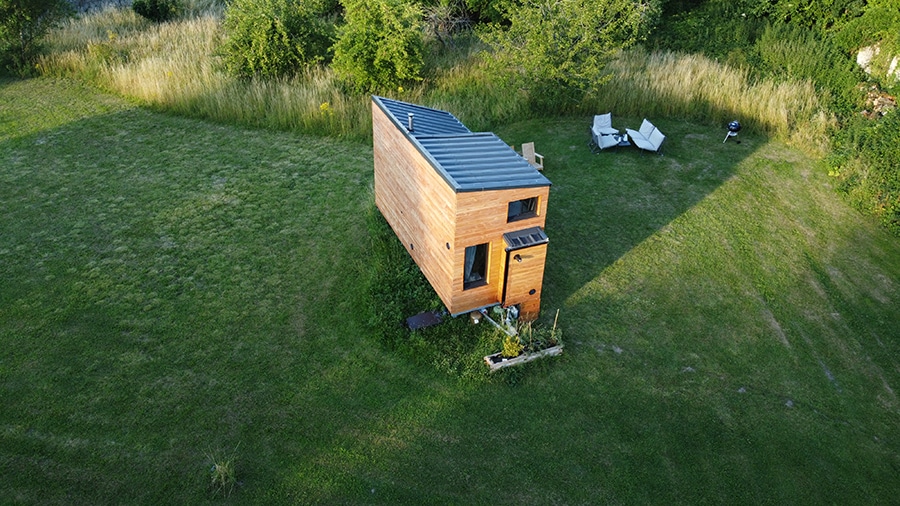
524 238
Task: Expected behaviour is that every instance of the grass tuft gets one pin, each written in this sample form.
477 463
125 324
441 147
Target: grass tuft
222 473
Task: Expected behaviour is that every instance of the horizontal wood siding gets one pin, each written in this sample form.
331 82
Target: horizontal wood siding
481 218
416 201
436 224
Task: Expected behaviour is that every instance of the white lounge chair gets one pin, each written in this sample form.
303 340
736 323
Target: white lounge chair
603 124
648 138
603 135
535 159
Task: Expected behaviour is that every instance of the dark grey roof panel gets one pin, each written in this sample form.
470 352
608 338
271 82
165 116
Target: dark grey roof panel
467 161
481 161
426 121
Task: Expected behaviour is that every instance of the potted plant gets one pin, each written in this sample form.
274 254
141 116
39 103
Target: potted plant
526 345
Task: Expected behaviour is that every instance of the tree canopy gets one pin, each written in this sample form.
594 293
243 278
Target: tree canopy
380 46
566 44
22 24
276 37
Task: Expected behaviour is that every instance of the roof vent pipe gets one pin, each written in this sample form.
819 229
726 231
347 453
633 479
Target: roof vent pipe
409 121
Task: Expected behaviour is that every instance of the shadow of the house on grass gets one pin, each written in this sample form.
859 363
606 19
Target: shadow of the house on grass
603 205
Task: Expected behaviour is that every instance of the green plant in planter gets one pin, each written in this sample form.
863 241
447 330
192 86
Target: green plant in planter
512 347
555 337
538 337
555 332
530 337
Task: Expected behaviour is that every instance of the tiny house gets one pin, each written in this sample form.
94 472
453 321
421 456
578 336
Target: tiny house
468 208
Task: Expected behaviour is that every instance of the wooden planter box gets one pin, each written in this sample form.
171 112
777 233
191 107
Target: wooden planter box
496 361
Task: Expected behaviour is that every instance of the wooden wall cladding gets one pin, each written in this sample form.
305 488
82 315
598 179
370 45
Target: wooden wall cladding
416 201
481 218
436 224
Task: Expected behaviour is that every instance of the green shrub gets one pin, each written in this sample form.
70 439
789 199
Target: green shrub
809 14
879 23
22 25
558 50
274 38
487 11
864 162
721 29
381 46
159 11
879 26
791 52
728 29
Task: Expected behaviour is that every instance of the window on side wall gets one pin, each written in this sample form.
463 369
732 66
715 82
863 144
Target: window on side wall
522 209
475 268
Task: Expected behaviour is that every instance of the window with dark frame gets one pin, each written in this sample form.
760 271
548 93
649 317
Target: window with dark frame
522 209
475 268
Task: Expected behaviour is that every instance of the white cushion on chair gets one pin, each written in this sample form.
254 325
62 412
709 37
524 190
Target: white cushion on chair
646 129
648 138
656 139
603 125
605 141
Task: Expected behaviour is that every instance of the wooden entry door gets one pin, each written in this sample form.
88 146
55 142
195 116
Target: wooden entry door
524 277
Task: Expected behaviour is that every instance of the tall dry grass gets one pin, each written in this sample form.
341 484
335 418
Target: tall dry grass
174 66
480 102
696 87
95 26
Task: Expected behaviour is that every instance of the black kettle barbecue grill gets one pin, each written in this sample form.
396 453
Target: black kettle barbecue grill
733 128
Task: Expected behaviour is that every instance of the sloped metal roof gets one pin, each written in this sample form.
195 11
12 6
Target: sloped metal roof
426 121
467 160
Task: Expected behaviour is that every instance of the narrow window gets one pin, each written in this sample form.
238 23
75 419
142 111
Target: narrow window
475 269
522 209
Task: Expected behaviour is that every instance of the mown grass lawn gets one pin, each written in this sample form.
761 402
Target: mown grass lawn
176 292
